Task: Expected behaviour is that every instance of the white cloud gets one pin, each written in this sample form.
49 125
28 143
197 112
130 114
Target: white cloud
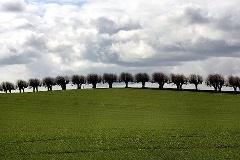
225 66
64 37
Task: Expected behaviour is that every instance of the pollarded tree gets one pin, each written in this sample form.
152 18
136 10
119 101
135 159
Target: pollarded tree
126 78
109 78
21 84
160 78
195 79
143 78
49 82
178 80
62 81
3 87
93 79
78 80
7 86
34 83
216 81
234 81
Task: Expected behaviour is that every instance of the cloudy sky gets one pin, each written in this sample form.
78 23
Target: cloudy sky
41 38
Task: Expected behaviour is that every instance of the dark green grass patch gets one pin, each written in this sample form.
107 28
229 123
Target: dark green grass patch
119 124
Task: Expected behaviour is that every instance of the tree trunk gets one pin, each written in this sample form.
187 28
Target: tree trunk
63 86
161 85
33 89
49 88
10 91
110 85
94 85
20 90
79 86
196 87
143 84
126 84
215 88
220 89
37 89
178 86
23 90
235 89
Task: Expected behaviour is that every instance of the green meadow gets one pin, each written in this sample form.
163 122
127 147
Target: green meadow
119 124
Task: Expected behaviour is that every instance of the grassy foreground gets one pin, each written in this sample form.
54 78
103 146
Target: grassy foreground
119 124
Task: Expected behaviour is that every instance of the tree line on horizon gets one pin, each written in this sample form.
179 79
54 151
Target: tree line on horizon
216 81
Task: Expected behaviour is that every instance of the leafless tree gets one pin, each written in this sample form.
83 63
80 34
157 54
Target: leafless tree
93 79
49 82
78 80
216 81
234 81
126 78
7 86
143 78
34 83
178 80
62 81
160 78
195 79
21 84
109 78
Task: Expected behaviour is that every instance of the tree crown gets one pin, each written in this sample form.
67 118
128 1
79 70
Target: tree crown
109 78
93 78
142 77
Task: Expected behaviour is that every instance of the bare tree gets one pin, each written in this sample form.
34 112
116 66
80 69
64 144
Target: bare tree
62 81
78 80
34 83
160 78
93 79
49 82
216 81
21 84
126 78
109 78
7 86
178 80
234 81
195 79
143 78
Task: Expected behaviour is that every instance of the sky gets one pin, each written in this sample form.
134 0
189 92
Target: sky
65 37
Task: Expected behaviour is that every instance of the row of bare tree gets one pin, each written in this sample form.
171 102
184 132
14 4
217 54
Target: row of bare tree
216 81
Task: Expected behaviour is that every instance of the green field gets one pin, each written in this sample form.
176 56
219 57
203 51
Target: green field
119 124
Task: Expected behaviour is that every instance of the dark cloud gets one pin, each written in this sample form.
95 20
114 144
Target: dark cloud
105 25
16 59
213 48
23 58
228 22
160 61
12 5
196 15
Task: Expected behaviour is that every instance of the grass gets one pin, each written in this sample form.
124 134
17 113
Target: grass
119 124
